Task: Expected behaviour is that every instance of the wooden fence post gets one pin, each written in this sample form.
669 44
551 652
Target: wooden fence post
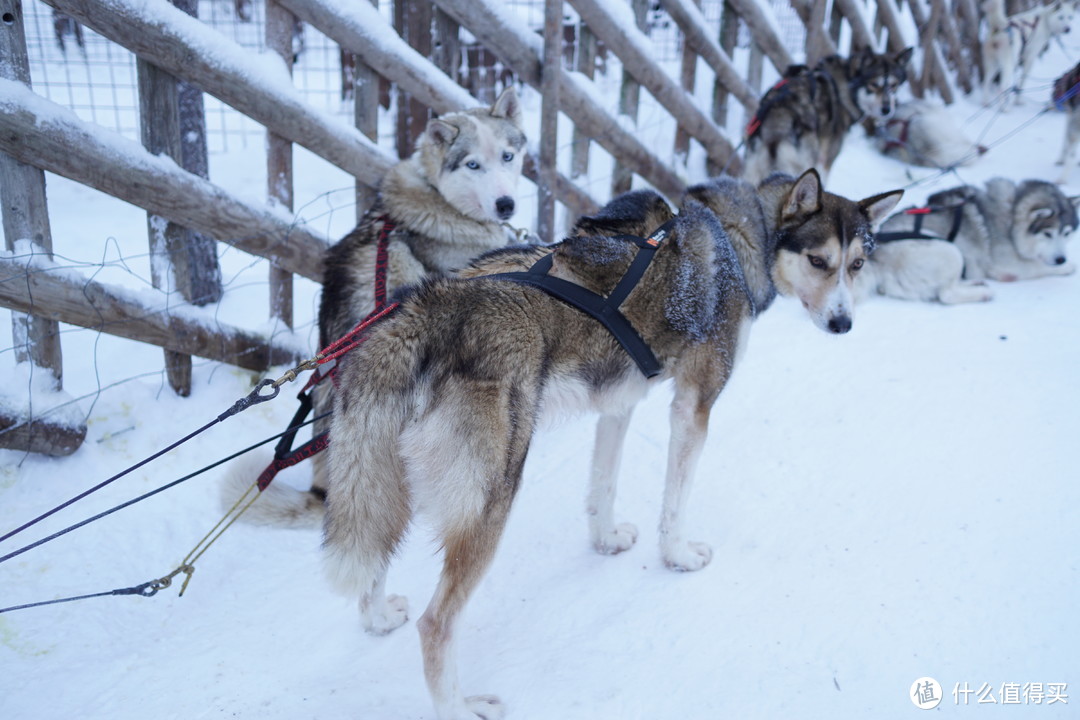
25 206
687 77
203 284
412 19
629 97
159 119
366 119
585 63
279 159
549 119
729 35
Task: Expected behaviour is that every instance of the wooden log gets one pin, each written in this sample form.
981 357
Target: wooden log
622 177
763 32
40 133
861 34
499 32
949 29
279 159
933 71
585 63
159 123
690 20
412 21
366 117
687 79
549 119
729 33
367 34
204 277
818 43
39 435
25 207
70 298
632 48
161 34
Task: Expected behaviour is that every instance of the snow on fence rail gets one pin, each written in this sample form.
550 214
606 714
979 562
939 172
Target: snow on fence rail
421 58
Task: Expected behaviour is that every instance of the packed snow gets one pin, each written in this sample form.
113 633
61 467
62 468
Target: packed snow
892 504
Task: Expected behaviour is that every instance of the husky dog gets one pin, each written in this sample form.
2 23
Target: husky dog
921 132
448 203
1005 231
436 410
802 121
444 205
926 269
1066 96
1014 42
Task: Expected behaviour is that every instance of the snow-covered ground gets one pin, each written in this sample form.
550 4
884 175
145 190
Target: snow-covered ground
895 503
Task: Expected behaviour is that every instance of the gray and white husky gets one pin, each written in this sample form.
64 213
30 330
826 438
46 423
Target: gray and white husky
435 412
966 235
1003 231
803 119
446 203
921 132
1014 42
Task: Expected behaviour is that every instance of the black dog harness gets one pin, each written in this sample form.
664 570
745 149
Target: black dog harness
917 233
604 309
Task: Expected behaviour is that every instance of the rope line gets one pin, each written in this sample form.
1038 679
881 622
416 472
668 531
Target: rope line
140 498
151 587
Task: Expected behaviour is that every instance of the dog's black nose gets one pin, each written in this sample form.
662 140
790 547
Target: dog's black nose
504 206
840 324
1059 260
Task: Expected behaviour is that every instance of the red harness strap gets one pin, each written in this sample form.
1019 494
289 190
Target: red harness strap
284 455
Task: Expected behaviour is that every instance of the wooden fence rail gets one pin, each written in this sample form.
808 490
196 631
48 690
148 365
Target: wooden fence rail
422 62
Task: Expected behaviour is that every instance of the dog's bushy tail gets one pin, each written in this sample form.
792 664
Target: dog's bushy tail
280 505
369 505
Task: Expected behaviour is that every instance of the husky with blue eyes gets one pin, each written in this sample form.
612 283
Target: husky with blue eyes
438 209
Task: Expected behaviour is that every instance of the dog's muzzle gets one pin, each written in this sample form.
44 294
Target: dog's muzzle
840 324
504 207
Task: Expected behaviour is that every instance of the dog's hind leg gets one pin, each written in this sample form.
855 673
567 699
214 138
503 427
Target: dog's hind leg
607 537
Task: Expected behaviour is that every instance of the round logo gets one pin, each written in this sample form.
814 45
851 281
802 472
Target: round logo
925 693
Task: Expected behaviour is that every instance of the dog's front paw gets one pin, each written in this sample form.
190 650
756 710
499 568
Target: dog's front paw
1067 268
619 539
687 556
486 707
392 614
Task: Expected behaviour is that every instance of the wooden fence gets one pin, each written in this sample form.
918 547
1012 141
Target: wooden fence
422 58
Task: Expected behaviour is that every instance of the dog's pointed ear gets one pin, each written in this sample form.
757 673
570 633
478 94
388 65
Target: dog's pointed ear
904 56
441 132
1075 200
508 106
878 207
804 198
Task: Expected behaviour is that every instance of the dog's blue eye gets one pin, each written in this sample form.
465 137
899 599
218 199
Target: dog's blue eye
472 165
508 156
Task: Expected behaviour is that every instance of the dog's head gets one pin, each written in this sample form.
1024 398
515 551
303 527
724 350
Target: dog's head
1059 17
1043 220
473 158
824 241
874 80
